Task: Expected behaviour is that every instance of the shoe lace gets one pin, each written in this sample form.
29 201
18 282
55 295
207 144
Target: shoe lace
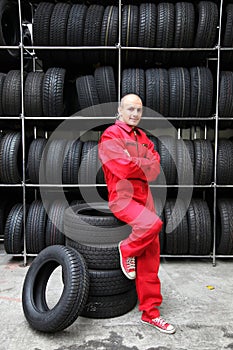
160 321
130 263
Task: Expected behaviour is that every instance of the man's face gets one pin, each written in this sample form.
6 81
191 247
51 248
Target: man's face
130 111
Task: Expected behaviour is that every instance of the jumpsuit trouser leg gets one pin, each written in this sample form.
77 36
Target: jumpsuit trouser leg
143 243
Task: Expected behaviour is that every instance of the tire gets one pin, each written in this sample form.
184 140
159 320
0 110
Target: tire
90 164
92 32
54 92
54 233
109 34
74 295
226 94
72 162
53 160
204 162
207 24
165 30
35 227
159 210
157 90
41 29
224 226
179 83
129 30
87 91
110 306
34 94
185 162
167 151
201 92
94 225
199 227
75 31
35 153
13 232
133 82
10 158
225 162
9 28
105 84
2 79
177 224
11 98
147 31
97 256
108 282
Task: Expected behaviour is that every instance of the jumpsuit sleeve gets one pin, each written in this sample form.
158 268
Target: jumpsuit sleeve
151 164
114 156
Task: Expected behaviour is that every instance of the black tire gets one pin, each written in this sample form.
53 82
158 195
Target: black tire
204 162
13 232
157 90
185 162
108 282
147 31
176 227
41 29
226 94
105 84
199 226
110 306
201 92
87 91
75 31
54 233
228 34
72 162
109 34
94 225
225 162
34 94
207 24
35 153
54 92
90 163
11 158
133 81
97 256
224 226
92 32
10 26
167 151
11 98
74 295
129 30
58 28
179 83
35 227
184 24
2 79
160 212
53 161
165 30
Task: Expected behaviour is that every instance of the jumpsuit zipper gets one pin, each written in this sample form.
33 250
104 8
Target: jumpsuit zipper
136 139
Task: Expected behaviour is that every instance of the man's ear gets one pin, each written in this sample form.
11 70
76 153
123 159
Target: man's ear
119 110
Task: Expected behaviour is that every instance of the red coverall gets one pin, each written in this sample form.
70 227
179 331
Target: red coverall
129 161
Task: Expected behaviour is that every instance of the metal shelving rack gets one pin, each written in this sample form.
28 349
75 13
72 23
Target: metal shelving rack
27 49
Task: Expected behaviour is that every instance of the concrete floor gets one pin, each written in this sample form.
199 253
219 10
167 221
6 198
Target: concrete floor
203 316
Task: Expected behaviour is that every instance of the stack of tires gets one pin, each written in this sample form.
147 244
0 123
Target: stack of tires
94 232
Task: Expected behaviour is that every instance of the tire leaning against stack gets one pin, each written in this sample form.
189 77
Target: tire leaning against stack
74 295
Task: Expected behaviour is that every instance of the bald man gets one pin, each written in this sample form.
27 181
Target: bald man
130 162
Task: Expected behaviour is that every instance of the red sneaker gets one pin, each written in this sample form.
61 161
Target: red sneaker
127 265
160 324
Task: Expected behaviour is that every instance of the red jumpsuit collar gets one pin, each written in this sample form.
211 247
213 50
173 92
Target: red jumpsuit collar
125 126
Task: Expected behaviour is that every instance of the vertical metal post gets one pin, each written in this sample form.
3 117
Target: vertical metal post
216 133
22 131
119 52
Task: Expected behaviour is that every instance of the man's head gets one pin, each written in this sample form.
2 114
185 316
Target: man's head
130 109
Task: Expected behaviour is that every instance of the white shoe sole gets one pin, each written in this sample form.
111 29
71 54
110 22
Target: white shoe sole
172 331
122 266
